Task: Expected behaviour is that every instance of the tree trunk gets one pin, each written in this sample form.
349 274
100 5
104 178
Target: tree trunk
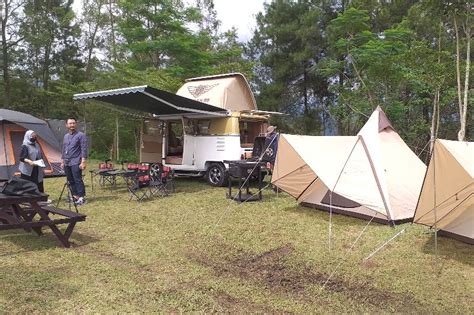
305 96
6 65
458 79
90 50
462 131
47 55
435 115
112 31
434 120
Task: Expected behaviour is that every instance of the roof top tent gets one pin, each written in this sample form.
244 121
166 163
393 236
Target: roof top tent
13 126
447 198
373 174
209 120
228 91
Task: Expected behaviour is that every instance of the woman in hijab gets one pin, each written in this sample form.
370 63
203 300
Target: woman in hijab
31 152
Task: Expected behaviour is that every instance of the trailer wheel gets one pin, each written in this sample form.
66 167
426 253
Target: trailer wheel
216 175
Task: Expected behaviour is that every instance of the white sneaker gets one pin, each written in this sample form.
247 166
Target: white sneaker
45 203
81 201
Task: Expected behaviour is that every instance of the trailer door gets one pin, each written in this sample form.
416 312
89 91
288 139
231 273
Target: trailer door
151 142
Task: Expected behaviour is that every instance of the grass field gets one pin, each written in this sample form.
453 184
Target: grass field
197 251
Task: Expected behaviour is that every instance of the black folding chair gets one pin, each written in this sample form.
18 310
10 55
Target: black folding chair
138 183
161 180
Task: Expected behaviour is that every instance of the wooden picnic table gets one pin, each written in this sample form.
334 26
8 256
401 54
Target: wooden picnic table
19 212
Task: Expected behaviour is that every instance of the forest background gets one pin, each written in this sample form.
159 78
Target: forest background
326 63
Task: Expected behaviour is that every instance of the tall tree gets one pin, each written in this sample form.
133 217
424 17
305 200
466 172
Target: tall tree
461 14
94 21
288 42
10 17
47 28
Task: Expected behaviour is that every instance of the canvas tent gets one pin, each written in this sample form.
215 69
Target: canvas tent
373 174
447 196
13 127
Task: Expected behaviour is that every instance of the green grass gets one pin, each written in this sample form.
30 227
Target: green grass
197 251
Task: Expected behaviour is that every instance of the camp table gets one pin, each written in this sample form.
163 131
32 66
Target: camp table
18 212
243 170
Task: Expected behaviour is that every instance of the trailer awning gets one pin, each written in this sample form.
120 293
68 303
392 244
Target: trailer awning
150 100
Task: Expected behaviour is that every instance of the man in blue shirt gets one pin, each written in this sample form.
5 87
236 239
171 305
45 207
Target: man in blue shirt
74 156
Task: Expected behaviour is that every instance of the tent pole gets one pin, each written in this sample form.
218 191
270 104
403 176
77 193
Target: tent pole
5 150
435 205
117 143
330 220
377 181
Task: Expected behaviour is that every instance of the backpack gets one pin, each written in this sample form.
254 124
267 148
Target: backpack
18 186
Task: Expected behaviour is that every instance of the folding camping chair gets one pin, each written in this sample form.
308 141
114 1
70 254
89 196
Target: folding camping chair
130 172
138 183
162 182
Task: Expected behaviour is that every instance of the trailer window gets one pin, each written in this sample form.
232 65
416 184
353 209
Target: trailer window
152 128
203 127
196 127
249 130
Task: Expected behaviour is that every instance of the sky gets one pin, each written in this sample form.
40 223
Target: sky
238 13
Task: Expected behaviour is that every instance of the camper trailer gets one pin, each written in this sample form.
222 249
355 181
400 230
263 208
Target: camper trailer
209 120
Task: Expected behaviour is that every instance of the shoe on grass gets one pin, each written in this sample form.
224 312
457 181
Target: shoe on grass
81 201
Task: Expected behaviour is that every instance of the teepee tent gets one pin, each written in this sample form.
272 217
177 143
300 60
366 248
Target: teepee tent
13 126
447 197
373 174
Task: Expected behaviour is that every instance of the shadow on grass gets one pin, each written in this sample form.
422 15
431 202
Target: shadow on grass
450 248
32 242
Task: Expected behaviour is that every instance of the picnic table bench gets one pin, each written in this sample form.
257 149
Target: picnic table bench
18 212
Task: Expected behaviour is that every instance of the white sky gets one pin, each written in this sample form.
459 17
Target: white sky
240 14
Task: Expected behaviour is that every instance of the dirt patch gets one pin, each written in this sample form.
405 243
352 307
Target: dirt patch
369 264
272 270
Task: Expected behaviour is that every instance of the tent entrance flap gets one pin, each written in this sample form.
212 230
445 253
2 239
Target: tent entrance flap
150 100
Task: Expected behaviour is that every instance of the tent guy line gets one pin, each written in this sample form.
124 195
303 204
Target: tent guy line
230 201
346 255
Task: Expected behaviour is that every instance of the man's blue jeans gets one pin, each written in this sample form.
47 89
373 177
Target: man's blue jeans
74 178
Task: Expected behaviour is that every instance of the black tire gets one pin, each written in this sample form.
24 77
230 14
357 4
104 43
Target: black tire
216 175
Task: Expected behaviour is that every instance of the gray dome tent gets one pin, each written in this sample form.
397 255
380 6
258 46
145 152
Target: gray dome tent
13 126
